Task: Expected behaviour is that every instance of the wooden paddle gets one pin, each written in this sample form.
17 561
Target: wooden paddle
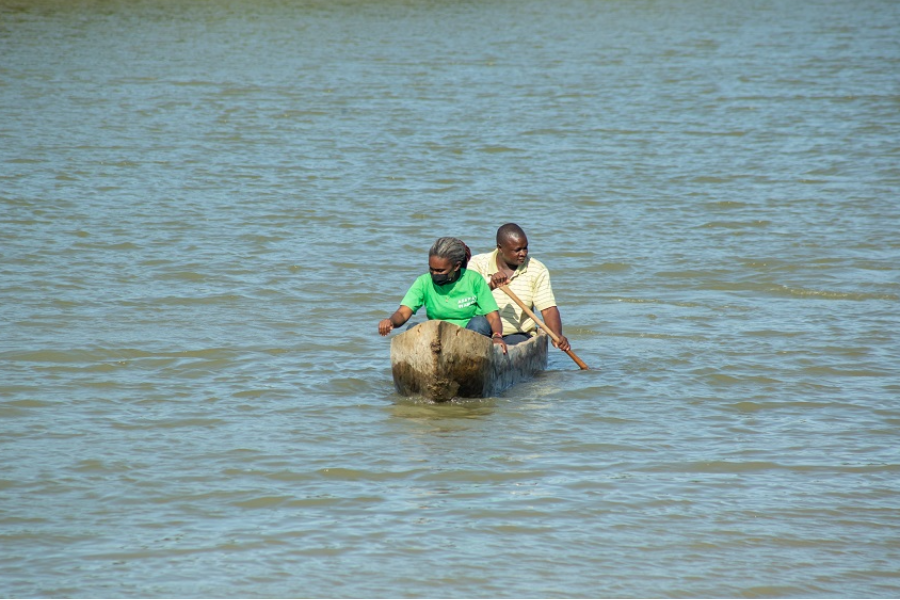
541 324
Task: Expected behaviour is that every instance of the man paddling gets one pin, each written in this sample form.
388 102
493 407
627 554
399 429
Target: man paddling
509 264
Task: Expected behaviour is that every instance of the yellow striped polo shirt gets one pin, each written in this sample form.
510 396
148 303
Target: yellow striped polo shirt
530 282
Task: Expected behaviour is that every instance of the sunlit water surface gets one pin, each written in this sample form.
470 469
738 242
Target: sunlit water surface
207 207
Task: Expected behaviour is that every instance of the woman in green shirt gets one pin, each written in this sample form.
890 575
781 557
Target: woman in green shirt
450 292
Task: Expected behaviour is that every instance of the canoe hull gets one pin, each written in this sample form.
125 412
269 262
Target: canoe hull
441 361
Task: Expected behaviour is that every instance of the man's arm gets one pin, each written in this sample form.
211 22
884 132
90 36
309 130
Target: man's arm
554 322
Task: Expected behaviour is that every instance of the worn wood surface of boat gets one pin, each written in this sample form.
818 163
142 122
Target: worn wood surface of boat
441 361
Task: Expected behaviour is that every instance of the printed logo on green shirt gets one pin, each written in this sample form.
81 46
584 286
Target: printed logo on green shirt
468 301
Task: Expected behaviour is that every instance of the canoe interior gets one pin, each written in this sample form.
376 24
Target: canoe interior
441 361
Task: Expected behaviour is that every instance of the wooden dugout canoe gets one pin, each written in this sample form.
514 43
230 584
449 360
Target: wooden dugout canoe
441 361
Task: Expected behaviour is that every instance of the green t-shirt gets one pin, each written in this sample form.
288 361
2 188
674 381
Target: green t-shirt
455 302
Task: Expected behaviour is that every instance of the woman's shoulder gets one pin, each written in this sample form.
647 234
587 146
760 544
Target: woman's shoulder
421 281
472 277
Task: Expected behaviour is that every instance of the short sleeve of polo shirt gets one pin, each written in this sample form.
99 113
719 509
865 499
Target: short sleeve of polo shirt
543 292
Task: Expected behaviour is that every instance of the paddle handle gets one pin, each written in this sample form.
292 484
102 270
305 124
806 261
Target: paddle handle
541 324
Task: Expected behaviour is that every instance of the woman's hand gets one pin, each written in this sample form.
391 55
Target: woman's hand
385 326
400 316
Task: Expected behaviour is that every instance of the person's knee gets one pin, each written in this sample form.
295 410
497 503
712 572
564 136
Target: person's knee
480 325
516 338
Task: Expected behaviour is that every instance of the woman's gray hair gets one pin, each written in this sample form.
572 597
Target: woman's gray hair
452 249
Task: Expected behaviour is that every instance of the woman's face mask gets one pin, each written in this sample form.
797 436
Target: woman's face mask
442 271
440 278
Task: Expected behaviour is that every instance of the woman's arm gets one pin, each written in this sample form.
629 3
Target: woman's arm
400 316
496 328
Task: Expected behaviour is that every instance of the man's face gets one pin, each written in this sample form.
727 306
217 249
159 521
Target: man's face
514 250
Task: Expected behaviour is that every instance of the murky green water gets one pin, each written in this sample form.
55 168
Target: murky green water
207 207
